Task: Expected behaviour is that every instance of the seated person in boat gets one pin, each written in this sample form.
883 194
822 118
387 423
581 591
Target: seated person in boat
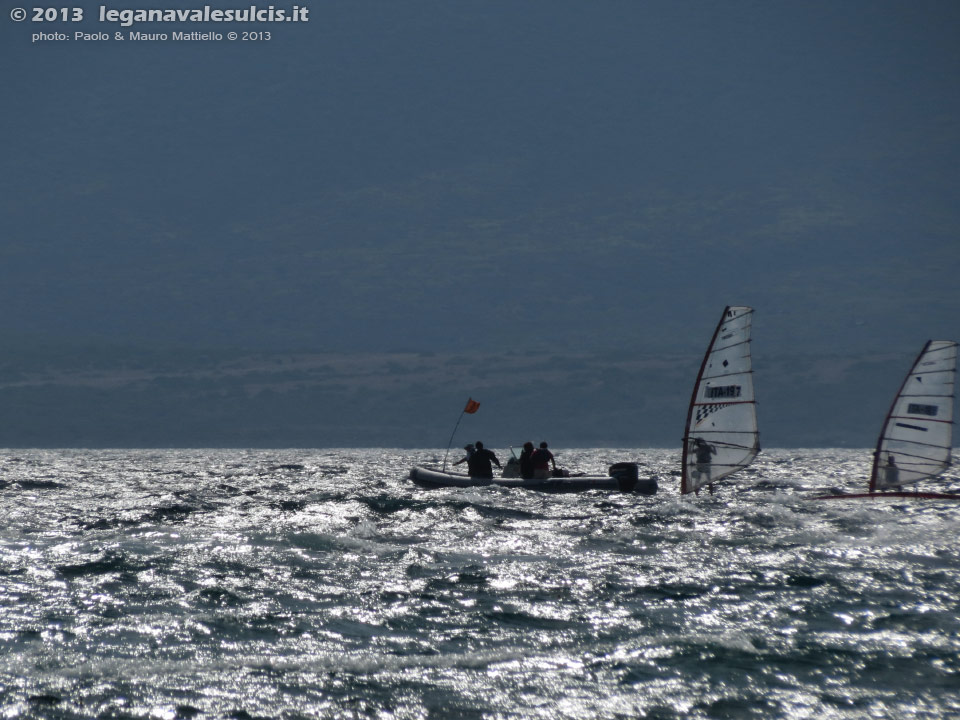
526 461
542 459
479 461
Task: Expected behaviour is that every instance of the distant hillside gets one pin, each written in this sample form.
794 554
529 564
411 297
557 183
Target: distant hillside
413 400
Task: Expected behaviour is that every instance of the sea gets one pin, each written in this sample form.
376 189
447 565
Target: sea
324 584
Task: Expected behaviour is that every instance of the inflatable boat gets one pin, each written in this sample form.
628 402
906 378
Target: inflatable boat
623 477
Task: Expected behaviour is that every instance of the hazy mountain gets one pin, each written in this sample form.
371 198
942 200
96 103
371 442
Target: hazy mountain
134 399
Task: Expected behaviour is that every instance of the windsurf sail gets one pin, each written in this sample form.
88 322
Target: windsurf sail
721 434
918 432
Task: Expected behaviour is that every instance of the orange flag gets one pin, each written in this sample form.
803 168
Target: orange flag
472 406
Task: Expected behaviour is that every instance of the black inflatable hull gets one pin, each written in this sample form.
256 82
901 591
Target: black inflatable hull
625 482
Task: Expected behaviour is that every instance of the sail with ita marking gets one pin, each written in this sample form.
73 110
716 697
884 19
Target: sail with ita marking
917 434
721 434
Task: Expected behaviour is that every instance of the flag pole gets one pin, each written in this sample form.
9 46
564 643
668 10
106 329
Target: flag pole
450 443
471 407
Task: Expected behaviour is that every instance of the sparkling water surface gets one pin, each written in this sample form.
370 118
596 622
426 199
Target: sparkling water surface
323 583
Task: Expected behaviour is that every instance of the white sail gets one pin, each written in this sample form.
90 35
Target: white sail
721 434
918 432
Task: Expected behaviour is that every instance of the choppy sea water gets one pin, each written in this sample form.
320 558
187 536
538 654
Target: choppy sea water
306 584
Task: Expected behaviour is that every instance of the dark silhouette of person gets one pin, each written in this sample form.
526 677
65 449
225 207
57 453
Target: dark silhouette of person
526 461
703 452
542 459
891 473
480 461
466 458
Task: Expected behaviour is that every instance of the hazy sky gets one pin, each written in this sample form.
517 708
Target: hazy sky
452 174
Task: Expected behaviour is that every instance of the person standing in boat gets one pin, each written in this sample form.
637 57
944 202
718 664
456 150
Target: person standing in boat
703 451
466 458
526 461
480 461
542 459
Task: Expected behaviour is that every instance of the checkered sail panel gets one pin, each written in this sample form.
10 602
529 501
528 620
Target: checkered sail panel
704 411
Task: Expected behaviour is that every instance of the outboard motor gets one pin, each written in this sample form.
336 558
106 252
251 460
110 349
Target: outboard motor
626 474
512 468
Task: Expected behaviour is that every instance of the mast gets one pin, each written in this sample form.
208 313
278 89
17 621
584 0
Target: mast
721 435
917 435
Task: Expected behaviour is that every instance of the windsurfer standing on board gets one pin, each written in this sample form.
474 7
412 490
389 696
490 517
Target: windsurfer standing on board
703 451
891 473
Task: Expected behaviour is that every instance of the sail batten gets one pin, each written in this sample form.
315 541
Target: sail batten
917 435
905 454
721 432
